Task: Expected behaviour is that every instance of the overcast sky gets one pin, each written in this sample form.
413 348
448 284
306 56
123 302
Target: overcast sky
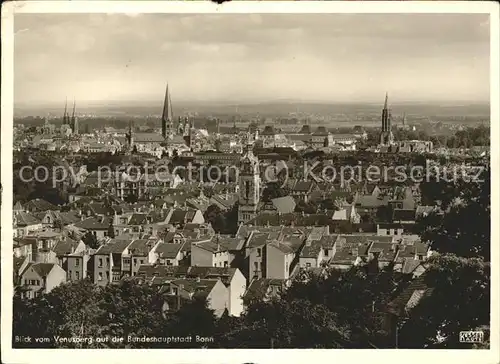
236 57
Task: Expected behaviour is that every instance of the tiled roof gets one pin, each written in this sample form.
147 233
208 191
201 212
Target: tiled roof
65 247
141 247
369 201
26 219
168 250
302 186
39 204
225 274
408 299
94 223
312 250
403 215
259 288
113 246
200 288
284 205
138 219
410 265
42 269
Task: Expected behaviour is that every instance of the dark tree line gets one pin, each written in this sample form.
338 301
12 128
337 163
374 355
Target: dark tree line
344 310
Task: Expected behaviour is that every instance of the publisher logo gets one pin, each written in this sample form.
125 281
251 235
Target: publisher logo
471 337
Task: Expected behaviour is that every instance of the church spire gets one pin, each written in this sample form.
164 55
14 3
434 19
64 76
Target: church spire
74 119
167 116
65 116
386 100
73 114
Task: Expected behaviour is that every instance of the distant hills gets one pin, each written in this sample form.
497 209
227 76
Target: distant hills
265 109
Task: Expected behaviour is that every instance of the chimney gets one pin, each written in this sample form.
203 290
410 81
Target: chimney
308 242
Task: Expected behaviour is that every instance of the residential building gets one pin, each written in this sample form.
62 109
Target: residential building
40 278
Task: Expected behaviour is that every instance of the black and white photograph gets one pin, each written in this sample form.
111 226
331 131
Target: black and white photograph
243 176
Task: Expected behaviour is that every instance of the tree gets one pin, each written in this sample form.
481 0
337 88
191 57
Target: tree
287 324
464 229
131 198
306 207
111 231
273 190
68 310
128 308
460 301
90 240
193 319
215 216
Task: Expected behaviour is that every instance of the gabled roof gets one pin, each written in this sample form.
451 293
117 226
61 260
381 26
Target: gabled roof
138 219
26 219
141 247
198 287
226 274
65 247
168 250
284 205
42 269
38 205
312 249
113 246
94 223
259 288
410 297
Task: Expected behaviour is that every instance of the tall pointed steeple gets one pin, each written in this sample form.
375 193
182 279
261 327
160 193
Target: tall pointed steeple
167 116
74 119
386 136
66 116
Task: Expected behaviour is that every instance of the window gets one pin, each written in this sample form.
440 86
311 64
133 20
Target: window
388 232
308 265
100 276
135 261
175 290
126 261
77 274
69 274
26 282
107 262
325 252
77 262
168 262
256 264
225 264
107 276
259 252
100 263
105 233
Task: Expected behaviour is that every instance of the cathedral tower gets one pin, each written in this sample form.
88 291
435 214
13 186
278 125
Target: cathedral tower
167 118
249 186
66 116
386 136
74 120
130 136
